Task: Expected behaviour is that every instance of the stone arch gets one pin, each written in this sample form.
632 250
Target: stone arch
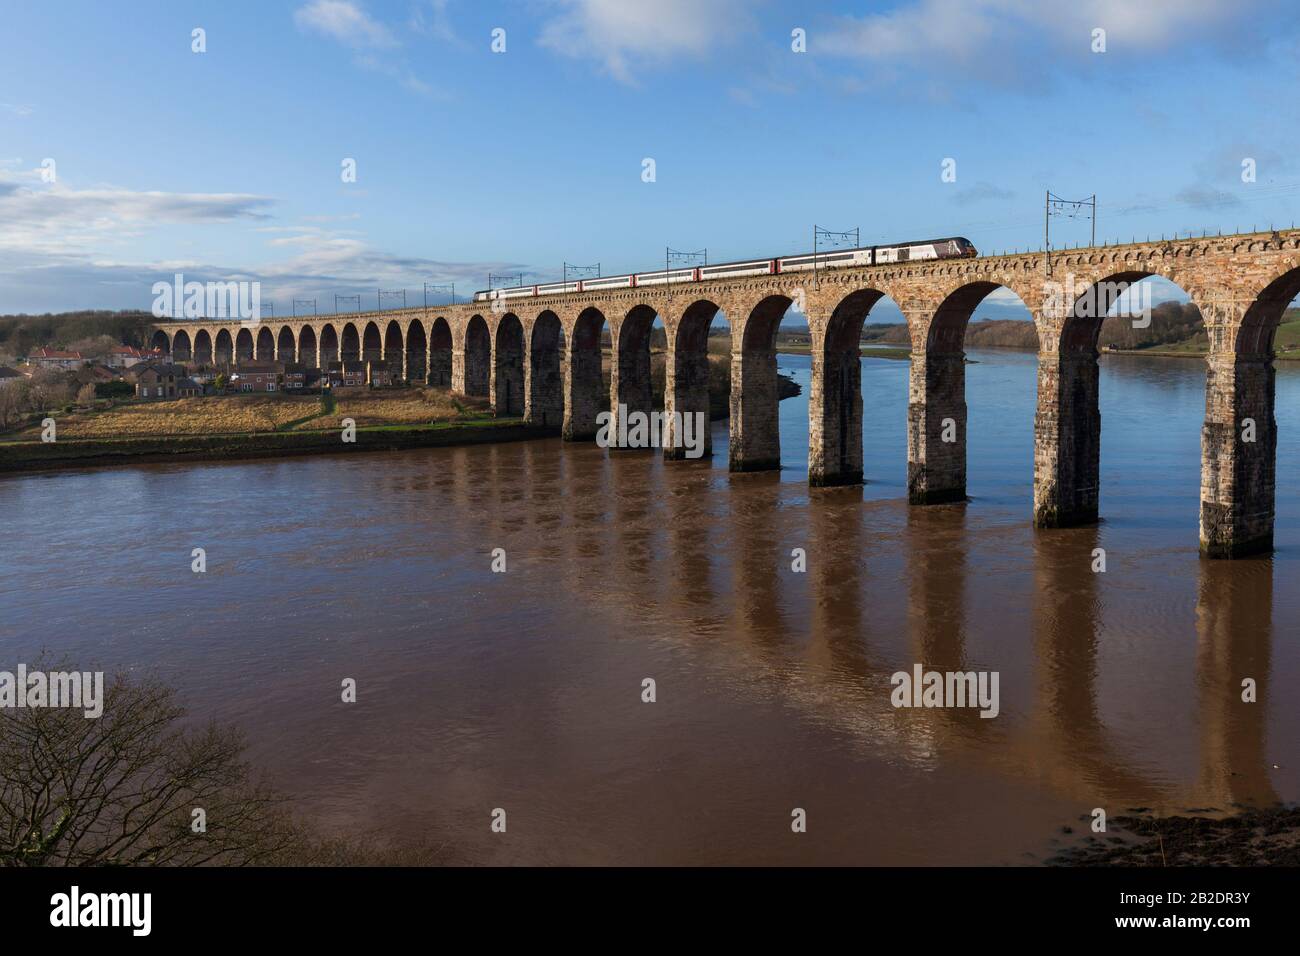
202 347
307 347
631 386
244 345
182 350
507 386
394 350
265 345
417 353
330 346
477 357
835 396
936 410
286 346
440 361
372 343
755 443
1254 336
1067 423
584 388
223 348
160 341
544 384
350 343
686 380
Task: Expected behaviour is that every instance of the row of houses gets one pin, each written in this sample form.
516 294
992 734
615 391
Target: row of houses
121 356
169 380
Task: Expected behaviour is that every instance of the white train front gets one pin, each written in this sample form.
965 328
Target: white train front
954 247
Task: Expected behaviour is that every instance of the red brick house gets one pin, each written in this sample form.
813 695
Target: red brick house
257 377
347 374
295 376
156 380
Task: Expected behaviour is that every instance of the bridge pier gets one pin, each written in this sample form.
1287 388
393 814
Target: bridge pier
936 427
835 413
755 443
1067 438
1238 456
686 390
458 371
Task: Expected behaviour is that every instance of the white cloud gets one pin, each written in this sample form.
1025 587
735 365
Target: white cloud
344 21
624 36
968 29
66 248
58 218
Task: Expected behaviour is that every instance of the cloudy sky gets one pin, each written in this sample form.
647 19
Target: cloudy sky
125 156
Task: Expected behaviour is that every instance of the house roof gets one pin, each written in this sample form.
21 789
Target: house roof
47 353
158 368
7 372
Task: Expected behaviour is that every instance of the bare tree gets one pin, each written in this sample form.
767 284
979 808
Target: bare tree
13 403
50 388
86 394
121 789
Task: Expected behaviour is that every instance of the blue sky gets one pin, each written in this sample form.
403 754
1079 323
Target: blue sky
226 163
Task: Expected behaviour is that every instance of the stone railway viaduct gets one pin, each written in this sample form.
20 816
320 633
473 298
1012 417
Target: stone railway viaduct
541 357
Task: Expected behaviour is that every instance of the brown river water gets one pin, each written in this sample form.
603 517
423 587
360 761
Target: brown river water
523 690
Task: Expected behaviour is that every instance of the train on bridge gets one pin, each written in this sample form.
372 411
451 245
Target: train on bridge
953 247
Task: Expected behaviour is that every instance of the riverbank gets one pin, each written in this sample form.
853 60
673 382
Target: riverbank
92 452
233 427
1254 837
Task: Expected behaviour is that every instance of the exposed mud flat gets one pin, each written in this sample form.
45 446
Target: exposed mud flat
1256 837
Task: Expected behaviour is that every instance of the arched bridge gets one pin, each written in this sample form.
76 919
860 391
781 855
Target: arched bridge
541 357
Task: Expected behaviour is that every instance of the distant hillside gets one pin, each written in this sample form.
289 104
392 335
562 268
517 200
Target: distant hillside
21 334
1174 326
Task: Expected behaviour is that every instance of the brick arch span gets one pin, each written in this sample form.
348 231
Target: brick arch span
473 357
584 389
755 440
507 385
440 352
631 386
182 347
543 377
835 393
416 352
308 345
686 377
